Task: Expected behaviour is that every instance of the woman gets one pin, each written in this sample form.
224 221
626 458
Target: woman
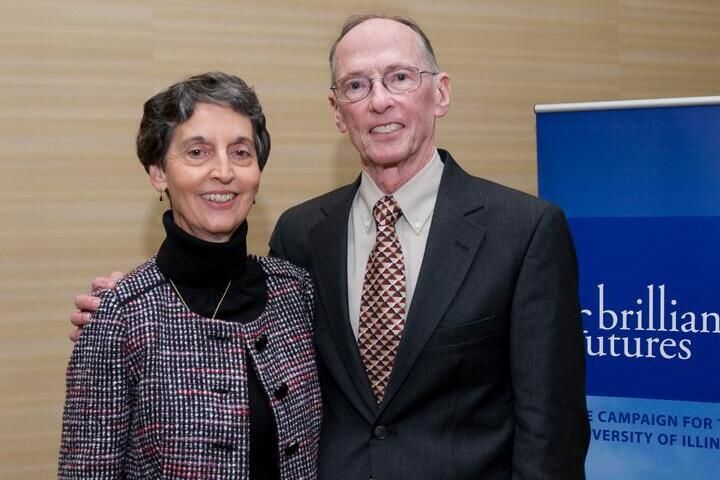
200 363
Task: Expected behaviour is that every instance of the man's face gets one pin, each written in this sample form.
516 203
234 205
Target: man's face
389 130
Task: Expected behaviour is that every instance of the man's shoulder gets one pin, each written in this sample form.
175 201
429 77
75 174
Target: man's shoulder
500 195
291 237
493 196
303 217
319 206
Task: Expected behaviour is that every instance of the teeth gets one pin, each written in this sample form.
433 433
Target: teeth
387 128
218 197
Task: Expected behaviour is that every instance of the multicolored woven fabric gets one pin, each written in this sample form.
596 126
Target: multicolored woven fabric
156 391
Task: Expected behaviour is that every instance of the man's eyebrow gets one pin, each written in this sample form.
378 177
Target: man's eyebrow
396 66
353 73
388 68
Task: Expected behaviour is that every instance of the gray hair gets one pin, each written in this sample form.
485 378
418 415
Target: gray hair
175 105
355 20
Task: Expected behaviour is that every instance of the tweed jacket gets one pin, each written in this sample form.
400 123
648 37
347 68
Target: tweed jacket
156 391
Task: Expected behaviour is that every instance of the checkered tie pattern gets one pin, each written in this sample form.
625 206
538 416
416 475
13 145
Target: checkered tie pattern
382 304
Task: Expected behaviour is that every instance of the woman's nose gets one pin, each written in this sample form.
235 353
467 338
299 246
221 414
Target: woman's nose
222 168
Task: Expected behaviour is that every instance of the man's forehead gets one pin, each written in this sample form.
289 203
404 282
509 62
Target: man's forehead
378 43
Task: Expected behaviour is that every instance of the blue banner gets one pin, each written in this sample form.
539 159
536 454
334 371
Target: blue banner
641 188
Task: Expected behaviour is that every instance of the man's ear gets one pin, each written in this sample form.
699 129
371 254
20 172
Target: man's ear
336 113
158 179
442 92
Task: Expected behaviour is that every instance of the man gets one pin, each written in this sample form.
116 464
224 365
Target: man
448 325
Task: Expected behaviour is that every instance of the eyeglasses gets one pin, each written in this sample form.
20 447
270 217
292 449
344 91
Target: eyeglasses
354 88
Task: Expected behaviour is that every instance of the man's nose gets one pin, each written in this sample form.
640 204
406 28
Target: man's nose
380 97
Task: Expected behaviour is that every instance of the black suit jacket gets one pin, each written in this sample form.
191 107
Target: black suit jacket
489 379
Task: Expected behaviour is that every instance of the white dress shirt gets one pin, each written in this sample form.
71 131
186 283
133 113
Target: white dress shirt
416 200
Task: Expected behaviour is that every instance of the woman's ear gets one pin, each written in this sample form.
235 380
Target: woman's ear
158 179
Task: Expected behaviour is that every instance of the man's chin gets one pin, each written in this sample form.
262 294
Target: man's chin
384 159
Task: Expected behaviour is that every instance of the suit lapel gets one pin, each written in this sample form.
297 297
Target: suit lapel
329 250
452 243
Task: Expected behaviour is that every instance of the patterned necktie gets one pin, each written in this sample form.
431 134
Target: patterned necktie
382 305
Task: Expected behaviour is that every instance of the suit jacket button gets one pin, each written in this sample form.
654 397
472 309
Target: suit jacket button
292 448
281 391
261 342
380 432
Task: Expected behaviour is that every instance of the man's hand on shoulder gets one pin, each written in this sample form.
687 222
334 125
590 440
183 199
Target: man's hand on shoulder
86 304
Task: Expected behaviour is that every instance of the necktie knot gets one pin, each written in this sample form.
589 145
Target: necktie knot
386 211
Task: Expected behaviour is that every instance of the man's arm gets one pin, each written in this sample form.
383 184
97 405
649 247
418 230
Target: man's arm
548 358
289 239
277 249
86 304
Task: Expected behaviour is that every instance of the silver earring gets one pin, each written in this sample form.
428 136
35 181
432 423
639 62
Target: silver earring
161 197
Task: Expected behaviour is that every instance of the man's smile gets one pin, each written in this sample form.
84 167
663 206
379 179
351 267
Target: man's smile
387 128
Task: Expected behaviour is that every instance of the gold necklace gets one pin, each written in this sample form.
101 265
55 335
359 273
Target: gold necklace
216 308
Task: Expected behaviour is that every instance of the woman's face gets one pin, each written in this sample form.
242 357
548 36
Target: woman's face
211 172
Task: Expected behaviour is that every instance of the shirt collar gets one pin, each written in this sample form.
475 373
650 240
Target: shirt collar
416 198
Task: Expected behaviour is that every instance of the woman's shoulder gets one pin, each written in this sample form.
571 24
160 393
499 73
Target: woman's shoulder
115 324
141 281
281 268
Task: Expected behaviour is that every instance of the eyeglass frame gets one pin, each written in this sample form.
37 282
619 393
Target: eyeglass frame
382 80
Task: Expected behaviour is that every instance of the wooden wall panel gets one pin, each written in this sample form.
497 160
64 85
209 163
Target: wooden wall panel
670 49
71 197
75 203
505 57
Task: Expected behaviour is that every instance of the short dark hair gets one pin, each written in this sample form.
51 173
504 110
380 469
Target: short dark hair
355 20
174 105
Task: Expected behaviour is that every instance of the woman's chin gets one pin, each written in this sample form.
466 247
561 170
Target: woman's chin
215 233
221 235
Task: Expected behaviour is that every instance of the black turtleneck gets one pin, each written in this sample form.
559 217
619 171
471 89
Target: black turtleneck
201 270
